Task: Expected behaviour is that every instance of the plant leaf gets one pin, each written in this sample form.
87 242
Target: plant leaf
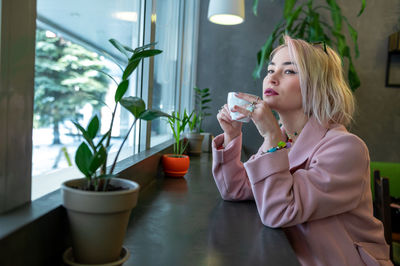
255 6
102 139
205 101
98 159
335 14
354 36
141 48
132 65
302 29
134 105
363 3
119 47
152 114
292 18
108 75
354 80
144 54
341 42
85 134
83 157
287 9
265 51
93 127
122 88
135 60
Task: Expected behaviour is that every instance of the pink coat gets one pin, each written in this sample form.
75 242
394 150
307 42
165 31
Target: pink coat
318 192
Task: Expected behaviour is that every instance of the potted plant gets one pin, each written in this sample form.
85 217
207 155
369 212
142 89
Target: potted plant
302 19
99 204
195 139
177 164
202 101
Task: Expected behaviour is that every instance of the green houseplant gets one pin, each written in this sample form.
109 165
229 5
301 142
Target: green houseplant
303 19
202 101
177 163
99 205
195 139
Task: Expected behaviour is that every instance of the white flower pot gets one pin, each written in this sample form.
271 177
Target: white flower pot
206 145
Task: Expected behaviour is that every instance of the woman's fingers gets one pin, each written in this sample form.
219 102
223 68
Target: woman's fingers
226 118
246 111
223 114
248 97
226 108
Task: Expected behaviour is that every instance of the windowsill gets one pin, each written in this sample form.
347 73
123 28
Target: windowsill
46 183
16 219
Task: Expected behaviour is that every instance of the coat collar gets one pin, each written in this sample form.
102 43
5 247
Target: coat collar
311 134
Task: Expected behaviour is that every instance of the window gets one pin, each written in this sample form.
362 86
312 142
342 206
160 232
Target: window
174 69
72 51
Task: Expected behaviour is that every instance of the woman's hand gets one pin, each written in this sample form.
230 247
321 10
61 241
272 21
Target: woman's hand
231 128
263 118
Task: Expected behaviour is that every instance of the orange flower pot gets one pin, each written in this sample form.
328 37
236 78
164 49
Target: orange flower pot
175 165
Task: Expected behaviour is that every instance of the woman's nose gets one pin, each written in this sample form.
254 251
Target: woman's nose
272 79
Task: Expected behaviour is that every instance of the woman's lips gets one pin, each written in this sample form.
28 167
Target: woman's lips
270 92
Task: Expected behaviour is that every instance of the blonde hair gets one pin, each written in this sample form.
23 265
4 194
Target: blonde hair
325 93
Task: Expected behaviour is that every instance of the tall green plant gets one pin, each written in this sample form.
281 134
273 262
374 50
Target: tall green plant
202 100
90 156
178 124
194 123
301 19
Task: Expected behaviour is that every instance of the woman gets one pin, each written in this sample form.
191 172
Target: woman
311 176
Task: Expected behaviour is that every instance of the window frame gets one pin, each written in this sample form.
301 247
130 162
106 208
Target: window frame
17 61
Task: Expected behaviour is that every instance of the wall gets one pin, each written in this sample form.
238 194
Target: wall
227 57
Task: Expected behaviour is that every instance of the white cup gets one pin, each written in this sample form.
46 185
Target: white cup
232 101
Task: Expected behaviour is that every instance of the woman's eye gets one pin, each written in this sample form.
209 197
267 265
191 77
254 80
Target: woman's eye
270 71
289 71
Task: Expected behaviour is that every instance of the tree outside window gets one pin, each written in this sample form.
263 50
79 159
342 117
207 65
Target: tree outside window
67 77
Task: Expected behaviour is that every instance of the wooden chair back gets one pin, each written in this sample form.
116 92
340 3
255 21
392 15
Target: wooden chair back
382 205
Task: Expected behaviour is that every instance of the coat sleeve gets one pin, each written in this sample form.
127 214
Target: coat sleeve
332 184
229 173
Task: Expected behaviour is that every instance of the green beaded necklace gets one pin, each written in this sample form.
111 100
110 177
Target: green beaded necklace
292 136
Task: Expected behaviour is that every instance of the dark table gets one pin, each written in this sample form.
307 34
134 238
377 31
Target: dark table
184 221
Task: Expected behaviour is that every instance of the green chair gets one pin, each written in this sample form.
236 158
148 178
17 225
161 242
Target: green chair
392 172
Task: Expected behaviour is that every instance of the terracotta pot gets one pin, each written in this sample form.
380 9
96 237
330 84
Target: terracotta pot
175 165
98 220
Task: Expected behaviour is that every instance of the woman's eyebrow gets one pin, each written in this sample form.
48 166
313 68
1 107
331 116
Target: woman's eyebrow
288 63
284 64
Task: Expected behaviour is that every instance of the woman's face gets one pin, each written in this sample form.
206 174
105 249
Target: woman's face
281 86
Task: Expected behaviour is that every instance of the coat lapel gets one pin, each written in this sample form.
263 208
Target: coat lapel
311 134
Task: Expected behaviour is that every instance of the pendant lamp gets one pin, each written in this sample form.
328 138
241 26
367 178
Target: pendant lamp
226 12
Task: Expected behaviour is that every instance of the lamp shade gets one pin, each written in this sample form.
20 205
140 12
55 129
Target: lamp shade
226 12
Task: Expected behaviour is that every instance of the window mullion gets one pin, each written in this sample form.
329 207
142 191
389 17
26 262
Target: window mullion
148 33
